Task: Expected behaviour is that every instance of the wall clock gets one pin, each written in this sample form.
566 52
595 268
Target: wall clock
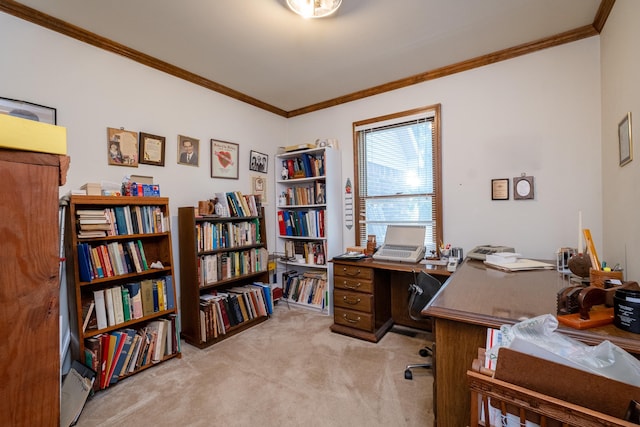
523 187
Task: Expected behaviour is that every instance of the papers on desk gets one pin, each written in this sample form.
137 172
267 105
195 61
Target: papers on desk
350 255
511 262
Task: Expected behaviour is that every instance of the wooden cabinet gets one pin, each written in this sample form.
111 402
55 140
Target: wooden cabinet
309 221
221 259
129 266
29 287
361 301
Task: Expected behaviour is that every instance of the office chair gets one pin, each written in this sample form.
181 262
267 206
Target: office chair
421 292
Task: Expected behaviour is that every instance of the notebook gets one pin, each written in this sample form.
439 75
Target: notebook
404 243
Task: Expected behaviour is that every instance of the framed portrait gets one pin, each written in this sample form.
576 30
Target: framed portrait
224 159
258 162
259 188
152 149
624 140
28 110
122 147
500 189
188 150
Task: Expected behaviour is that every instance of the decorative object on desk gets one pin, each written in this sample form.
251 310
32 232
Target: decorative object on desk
624 140
122 147
28 110
597 278
224 159
371 244
258 162
579 264
500 189
152 149
188 150
523 187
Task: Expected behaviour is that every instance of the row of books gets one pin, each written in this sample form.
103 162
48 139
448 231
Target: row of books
307 223
121 220
307 288
305 166
111 259
119 353
218 235
119 304
234 203
305 195
215 267
221 311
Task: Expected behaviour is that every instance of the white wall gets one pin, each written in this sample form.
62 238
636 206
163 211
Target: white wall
538 114
621 94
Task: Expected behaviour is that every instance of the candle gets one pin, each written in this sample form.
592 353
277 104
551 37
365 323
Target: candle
580 236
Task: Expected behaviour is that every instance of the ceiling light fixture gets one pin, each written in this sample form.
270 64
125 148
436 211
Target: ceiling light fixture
314 8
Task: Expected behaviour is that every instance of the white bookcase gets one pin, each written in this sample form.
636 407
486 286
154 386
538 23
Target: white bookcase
309 225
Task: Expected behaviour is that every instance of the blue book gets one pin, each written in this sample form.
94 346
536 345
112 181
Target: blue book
168 286
84 262
121 221
127 335
156 301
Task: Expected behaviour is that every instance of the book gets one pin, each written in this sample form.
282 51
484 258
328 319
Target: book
87 314
136 299
100 307
108 301
116 342
146 292
127 339
168 282
93 355
118 306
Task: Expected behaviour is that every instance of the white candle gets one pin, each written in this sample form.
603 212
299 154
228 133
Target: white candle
580 236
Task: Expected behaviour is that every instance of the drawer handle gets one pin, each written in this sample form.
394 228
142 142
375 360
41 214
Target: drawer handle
352 301
356 286
344 270
351 320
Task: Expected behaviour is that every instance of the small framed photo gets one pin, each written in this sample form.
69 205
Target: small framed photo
500 189
258 162
259 188
624 140
224 159
28 110
152 149
122 147
188 149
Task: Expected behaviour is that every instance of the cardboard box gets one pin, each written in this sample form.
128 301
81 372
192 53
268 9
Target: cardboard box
563 382
145 190
92 189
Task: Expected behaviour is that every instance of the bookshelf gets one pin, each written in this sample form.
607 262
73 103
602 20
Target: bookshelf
224 279
120 274
309 225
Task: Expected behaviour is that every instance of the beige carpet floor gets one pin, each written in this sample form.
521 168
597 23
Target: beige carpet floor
288 371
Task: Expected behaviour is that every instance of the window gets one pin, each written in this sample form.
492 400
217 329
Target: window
398 174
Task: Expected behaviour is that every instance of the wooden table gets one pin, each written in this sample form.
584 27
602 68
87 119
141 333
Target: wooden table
476 298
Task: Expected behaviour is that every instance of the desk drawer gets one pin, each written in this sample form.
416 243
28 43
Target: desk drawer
352 271
353 319
353 284
353 300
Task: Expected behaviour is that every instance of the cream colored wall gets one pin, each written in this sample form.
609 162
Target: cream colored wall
538 114
621 94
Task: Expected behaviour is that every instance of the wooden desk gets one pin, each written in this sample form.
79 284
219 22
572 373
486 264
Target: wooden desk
477 298
369 296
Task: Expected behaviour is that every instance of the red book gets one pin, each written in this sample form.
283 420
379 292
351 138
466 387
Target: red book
281 224
103 359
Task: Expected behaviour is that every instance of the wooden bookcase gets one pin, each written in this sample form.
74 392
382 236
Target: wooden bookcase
309 225
193 285
152 233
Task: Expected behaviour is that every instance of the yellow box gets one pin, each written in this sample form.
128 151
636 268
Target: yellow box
23 134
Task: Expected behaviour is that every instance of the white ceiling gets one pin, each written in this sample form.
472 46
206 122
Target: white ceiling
262 49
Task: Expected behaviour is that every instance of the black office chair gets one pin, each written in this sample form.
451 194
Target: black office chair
421 292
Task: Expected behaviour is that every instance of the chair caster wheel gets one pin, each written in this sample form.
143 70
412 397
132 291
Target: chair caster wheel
408 375
424 352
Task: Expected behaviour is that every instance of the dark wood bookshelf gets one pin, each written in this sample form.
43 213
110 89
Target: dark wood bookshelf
190 288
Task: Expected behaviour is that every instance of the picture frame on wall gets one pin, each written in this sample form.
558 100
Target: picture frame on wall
258 162
500 189
28 110
152 148
122 147
624 140
224 159
188 151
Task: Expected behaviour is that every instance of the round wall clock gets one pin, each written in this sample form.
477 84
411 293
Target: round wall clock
523 187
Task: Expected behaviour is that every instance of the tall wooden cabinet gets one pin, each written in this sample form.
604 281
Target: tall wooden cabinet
29 287
309 221
221 259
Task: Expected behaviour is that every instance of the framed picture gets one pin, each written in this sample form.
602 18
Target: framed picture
500 189
188 149
259 188
122 147
152 149
258 162
624 140
224 159
27 110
